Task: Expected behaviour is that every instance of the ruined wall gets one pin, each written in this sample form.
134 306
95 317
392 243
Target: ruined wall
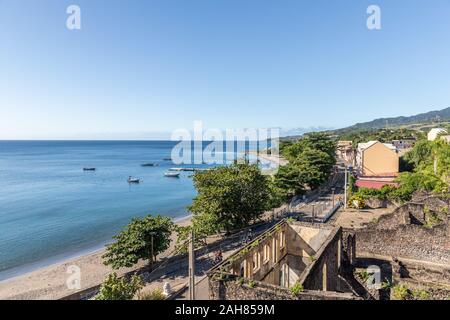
244 264
233 290
421 271
407 241
323 273
305 241
415 230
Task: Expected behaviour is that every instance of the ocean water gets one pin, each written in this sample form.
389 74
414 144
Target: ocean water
51 210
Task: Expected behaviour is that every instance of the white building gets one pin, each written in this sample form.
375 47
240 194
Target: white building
434 133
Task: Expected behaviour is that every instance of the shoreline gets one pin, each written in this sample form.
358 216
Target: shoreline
49 281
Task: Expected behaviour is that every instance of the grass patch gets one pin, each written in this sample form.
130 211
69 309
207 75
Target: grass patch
296 289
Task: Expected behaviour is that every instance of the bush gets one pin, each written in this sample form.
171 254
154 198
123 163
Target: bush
421 295
115 288
400 292
356 202
382 194
156 294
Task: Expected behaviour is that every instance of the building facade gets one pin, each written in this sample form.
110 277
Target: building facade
435 132
376 159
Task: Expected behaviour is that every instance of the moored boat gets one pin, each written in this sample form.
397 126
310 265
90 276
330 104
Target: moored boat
149 165
89 169
133 180
172 174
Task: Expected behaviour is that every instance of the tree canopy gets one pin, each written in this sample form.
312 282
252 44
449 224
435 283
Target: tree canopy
135 241
310 162
229 197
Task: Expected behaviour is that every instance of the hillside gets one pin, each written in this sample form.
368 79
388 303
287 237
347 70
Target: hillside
422 118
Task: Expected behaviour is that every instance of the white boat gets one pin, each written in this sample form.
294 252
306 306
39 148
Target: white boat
133 180
172 174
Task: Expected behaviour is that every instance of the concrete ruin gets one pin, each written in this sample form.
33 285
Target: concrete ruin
292 260
411 246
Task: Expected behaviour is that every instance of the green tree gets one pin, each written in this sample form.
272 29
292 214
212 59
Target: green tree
289 179
315 166
420 155
229 197
115 288
320 141
135 241
313 141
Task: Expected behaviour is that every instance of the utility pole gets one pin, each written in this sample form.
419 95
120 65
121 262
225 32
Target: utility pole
345 188
435 164
191 267
313 213
332 190
152 255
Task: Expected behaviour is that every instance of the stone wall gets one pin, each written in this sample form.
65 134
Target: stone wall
232 289
424 272
409 233
416 248
407 241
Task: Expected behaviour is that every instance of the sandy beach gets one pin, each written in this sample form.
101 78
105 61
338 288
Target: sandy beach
49 283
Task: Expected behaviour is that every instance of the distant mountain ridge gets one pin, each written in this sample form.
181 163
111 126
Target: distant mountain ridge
432 116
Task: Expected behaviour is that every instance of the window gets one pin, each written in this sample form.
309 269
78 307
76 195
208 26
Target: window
266 253
284 276
256 258
282 239
274 247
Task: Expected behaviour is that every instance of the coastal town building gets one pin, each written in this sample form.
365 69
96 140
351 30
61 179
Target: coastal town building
377 164
446 138
344 151
435 132
291 255
403 144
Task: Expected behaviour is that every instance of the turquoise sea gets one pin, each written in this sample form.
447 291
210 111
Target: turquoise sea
51 210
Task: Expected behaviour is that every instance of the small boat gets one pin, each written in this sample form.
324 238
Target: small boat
172 174
167 159
133 180
88 169
149 165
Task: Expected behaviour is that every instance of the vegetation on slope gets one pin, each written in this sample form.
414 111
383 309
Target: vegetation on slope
428 117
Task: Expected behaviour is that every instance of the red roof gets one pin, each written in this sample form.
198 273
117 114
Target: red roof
375 184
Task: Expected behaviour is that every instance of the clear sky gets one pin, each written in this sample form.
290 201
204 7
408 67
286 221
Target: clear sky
137 68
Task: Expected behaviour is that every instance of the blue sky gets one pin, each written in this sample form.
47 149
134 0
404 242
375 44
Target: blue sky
138 68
